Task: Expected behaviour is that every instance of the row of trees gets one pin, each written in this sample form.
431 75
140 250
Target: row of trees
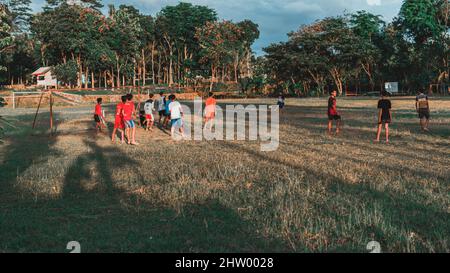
181 44
360 51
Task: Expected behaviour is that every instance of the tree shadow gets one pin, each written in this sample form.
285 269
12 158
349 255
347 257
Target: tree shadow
95 209
401 212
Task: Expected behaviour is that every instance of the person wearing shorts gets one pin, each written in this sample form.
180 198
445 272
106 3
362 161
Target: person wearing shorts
176 114
161 103
384 116
98 116
210 111
167 117
423 109
333 114
281 101
119 123
129 113
149 108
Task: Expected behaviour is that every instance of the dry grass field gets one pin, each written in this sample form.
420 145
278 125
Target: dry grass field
316 193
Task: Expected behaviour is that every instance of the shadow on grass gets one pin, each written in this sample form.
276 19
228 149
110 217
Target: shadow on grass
95 210
402 214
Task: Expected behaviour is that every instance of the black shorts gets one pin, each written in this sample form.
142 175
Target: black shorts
161 113
385 121
334 117
281 105
97 118
424 114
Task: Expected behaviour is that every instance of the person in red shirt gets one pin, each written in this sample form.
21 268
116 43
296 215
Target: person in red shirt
98 115
333 114
129 113
210 110
118 123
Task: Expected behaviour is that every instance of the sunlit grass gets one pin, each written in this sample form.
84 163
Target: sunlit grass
315 193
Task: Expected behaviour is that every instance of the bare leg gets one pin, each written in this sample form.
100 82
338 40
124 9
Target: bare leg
330 126
172 132
387 132
128 135
338 126
379 132
134 135
113 137
182 132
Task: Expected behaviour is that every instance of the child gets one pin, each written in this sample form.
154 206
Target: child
333 114
210 110
384 116
167 117
98 115
118 123
281 101
149 108
161 107
129 113
176 114
423 109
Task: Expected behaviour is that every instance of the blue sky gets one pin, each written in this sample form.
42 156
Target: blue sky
275 17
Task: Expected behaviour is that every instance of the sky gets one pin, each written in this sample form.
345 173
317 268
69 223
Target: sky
275 18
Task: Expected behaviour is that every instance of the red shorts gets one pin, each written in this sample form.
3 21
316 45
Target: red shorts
149 117
119 124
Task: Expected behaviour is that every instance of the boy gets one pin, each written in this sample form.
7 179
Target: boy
161 106
167 113
176 114
129 113
98 115
423 109
119 123
281 102
333 114
210 110
384 116
149 108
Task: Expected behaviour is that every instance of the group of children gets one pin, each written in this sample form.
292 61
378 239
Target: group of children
384 113
168 108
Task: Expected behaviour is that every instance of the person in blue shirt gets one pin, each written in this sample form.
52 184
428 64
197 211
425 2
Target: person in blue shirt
166 114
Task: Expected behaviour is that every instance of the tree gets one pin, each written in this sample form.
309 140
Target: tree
218 40
368 29
5 32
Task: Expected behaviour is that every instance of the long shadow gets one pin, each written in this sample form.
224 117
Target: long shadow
95 209
400 211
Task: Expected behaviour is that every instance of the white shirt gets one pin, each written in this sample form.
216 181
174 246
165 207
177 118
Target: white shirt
175 110
161 105
148 108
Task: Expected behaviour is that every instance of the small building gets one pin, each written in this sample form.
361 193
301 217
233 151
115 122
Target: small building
45 77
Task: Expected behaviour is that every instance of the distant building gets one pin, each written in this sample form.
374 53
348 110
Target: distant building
45 77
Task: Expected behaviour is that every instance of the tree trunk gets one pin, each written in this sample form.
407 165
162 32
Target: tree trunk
153 63
144 70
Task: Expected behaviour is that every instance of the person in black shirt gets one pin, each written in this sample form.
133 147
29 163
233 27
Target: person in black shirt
384 116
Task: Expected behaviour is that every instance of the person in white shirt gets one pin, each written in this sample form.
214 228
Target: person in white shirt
176 115
149 108
161 103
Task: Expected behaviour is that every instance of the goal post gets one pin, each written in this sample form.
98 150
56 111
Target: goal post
26 94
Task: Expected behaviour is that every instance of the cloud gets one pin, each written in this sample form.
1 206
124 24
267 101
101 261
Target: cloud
275 17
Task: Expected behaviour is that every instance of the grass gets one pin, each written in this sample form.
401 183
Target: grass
315 193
